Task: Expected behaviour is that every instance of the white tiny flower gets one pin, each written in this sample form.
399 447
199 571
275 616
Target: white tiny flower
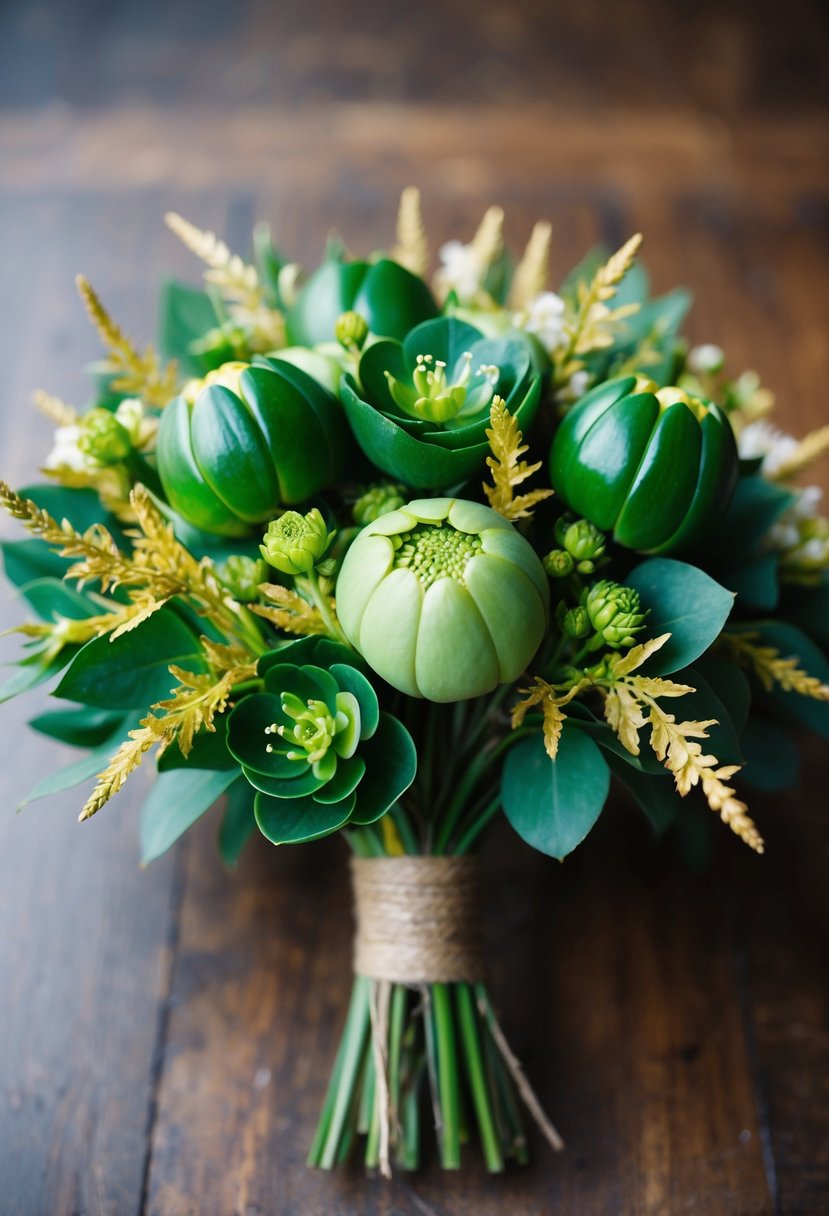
139 425
544 317
66 452
784 534
577 384
762 439
706 360
460 269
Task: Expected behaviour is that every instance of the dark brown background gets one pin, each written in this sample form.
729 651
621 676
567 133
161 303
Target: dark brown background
164 1036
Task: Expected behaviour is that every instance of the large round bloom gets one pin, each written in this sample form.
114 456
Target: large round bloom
443 598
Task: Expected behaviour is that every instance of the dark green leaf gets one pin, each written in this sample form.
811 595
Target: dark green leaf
553 804
84 727
51 598
791 642
756 584
209 751
175 802
772 760
756 504
133 670
34 670
81 507
703 705
185 314
27 560
292 821
730 684
683 601
81 770
391 764
238 822
658 799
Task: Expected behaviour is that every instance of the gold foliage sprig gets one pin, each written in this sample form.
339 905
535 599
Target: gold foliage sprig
590 325
290 612
631 703
139 374
532 272
54 408
507 467
771 667
488 241
158 568
412 248
192 706
810 448
237 281
551 701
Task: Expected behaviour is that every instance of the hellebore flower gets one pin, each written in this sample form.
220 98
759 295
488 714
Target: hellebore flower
421 407
443 598
246 441
315 745
615 613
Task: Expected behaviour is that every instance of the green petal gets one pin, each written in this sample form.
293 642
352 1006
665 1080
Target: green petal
293 787
512 610
325 768
366 564
353 681
346 779
391 764
455 657
389 629
345 741
246 738
290 821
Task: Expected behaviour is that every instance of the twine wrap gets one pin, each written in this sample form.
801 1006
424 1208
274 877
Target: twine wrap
417 919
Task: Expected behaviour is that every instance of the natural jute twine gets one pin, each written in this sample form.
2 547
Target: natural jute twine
418 924
418 919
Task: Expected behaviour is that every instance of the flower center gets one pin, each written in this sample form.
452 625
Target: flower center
314 736
433 551
432 397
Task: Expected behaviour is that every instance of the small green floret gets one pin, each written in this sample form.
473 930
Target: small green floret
615 613
294 543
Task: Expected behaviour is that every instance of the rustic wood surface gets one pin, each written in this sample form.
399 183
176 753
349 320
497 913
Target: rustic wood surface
165 1035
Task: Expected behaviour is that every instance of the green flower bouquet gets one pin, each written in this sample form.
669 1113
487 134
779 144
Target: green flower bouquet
299 557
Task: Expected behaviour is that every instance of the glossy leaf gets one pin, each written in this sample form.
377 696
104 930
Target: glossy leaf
391 763
83 727
772 759
185 314
286 821
553 804
133 670
238 822
81 770
175 802
683 601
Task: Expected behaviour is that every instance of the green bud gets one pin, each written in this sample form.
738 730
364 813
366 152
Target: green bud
585 567
558 563
242 576
351 330
104 438
583 541
615 613
378 500
294 543
576 623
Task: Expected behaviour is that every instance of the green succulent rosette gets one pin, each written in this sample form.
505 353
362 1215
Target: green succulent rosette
389 298
421 408
247 441
315 745
653 466
443 598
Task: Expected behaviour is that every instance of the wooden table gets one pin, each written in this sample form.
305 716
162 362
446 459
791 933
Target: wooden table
165 1035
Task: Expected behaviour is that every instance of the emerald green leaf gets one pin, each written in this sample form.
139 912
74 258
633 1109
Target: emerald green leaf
132 671
729 683
35 669
238 822
292 821
24 561
683 601
391 763
584 719
756 583
51 598
703 705
175 802
185 314
209 751
808 609
81 770
81 507
657 799
756 504
553 804
83 727
772 760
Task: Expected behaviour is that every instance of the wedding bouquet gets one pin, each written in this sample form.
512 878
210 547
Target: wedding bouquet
299 556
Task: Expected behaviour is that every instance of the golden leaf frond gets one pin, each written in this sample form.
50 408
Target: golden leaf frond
191 707
237 280
677 745
138 374
54 408
488 241
532 272
551 701
291 613
508 470
771 668
810 448
590 325
622 664
412 248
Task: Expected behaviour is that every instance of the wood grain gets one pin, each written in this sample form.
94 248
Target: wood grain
165 1036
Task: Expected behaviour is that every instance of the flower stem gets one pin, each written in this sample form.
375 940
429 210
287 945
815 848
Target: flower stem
447 1061
471 1044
